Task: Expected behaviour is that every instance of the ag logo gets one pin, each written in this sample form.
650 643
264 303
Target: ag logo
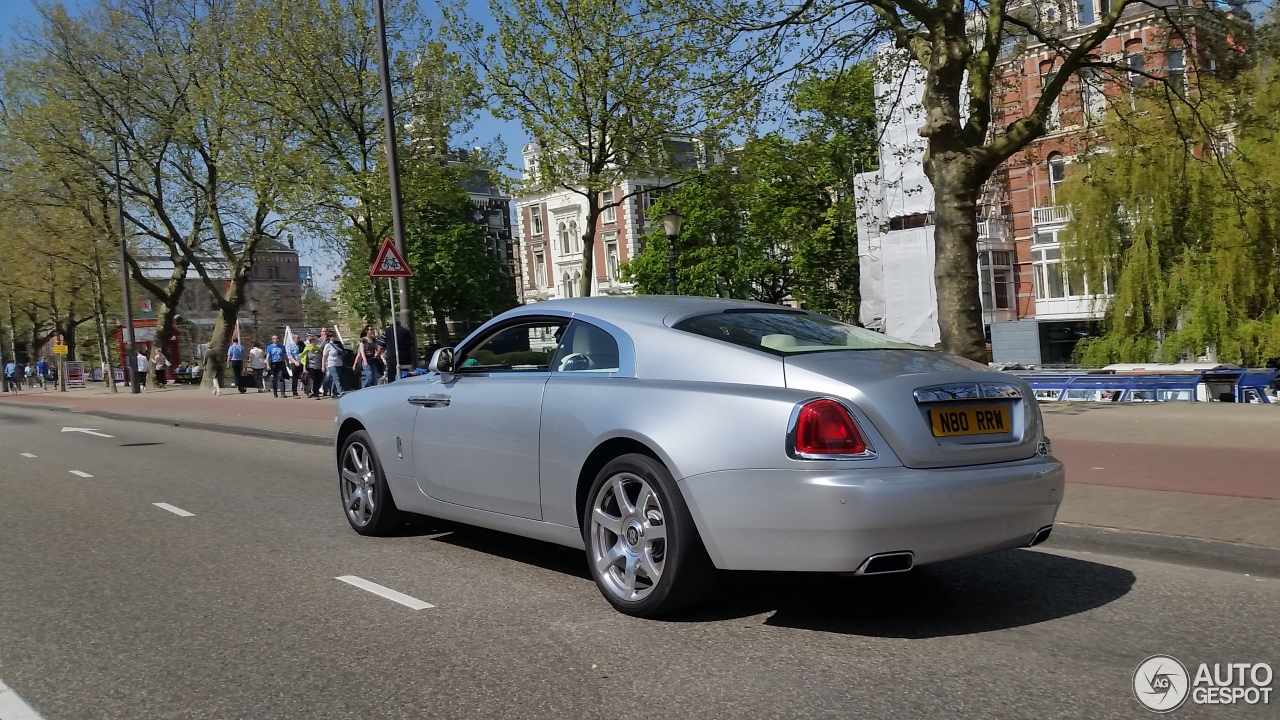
1161 683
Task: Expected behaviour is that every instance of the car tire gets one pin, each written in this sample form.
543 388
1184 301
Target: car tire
362 485
646 534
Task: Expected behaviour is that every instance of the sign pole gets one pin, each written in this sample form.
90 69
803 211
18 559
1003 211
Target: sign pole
395 335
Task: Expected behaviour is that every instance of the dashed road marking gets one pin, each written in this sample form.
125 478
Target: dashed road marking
175 510
27 455
80 473
409 602
12 707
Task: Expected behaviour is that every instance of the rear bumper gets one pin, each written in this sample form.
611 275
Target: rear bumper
817 521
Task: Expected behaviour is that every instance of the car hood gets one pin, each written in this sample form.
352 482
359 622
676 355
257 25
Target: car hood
882 385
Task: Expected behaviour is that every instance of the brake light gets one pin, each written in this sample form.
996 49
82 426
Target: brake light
824 427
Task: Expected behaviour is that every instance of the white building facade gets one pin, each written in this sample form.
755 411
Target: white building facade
550 227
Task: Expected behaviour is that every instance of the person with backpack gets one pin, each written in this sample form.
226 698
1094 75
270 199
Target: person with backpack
312 360
333 361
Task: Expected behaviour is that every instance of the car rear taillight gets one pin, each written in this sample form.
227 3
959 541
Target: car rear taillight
824 427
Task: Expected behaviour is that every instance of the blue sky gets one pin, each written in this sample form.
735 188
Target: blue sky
13 13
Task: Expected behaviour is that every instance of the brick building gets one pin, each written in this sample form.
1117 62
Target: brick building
550 232
1034 310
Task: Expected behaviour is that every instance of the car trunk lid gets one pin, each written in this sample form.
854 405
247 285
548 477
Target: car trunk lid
932 409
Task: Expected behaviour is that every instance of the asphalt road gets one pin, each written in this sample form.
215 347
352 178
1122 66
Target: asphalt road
113 607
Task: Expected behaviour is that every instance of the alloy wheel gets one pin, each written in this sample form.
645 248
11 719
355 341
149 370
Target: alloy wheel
628 536
359 484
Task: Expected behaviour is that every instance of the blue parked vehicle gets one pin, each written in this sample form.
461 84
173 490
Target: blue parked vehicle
1154 382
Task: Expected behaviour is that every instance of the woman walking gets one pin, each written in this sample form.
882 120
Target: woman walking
367 357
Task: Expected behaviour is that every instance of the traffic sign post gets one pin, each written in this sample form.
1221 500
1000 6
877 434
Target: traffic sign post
59 349
389 264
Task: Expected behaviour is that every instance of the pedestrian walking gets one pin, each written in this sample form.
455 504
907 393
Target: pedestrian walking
161 364
333 360
367 359
42 369
10 382
312 360
258 364
143 366
293 351
235 356
29 374
275 364
396 339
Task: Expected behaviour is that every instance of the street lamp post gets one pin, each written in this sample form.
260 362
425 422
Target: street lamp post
671 222
130 364
393 164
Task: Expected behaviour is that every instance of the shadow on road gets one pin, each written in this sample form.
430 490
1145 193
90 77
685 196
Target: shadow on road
974 595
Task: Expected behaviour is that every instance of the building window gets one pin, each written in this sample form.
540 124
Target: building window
565 248
1093 100
1057 174
1053 122
610 211
535 219
1136 65
1085 15
539 270
1047 273
1175 63
575 240
995 278
611 260
568 286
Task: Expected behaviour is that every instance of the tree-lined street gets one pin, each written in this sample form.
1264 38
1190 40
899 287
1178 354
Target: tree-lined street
115 607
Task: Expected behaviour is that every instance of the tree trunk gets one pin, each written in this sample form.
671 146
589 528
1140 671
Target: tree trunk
10 341
228 309
956 187
100 324
165 323
589 244
442 328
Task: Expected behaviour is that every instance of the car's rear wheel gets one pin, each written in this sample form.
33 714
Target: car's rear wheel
642 546
366 500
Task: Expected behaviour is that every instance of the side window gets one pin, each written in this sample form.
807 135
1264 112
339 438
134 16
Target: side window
526 347
587 348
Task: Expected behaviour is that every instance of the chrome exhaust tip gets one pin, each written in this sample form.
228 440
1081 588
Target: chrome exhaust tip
886 563
1041 535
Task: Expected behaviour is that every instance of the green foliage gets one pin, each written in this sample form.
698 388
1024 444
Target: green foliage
1187 229
767 228
455 275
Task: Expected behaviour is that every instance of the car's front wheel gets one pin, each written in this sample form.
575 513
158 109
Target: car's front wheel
366 501
642 546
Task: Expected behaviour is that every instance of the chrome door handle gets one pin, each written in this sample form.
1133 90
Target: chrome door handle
430 400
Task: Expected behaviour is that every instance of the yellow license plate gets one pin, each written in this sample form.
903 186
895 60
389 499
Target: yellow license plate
980 420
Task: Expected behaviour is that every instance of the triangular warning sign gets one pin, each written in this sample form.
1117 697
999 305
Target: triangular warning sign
389 263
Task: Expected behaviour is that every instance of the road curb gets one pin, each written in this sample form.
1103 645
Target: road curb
1177 549
283 435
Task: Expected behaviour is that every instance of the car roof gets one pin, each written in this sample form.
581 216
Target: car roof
649 309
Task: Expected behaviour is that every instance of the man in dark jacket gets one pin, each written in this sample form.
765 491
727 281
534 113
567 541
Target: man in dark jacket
400 343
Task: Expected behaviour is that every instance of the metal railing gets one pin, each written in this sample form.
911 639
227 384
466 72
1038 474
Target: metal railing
1050 215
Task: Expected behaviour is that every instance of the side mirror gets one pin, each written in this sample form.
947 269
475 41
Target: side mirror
441 361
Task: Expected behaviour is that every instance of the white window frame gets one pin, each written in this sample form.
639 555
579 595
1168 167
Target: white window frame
535 220
611 259
1060 162
610 212
575 237
1093 98
988 268
539 270
1177 74
562 229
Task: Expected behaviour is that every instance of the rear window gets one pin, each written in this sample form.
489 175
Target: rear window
789 333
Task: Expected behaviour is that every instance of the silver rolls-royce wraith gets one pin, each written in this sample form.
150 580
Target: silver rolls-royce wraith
671 436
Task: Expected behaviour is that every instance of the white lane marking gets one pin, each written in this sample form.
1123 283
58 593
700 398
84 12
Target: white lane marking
86 431
388 593
13 708
80 473
175 510
28 455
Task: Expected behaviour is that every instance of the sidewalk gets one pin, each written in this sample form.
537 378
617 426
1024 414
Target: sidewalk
1207 471
250 413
